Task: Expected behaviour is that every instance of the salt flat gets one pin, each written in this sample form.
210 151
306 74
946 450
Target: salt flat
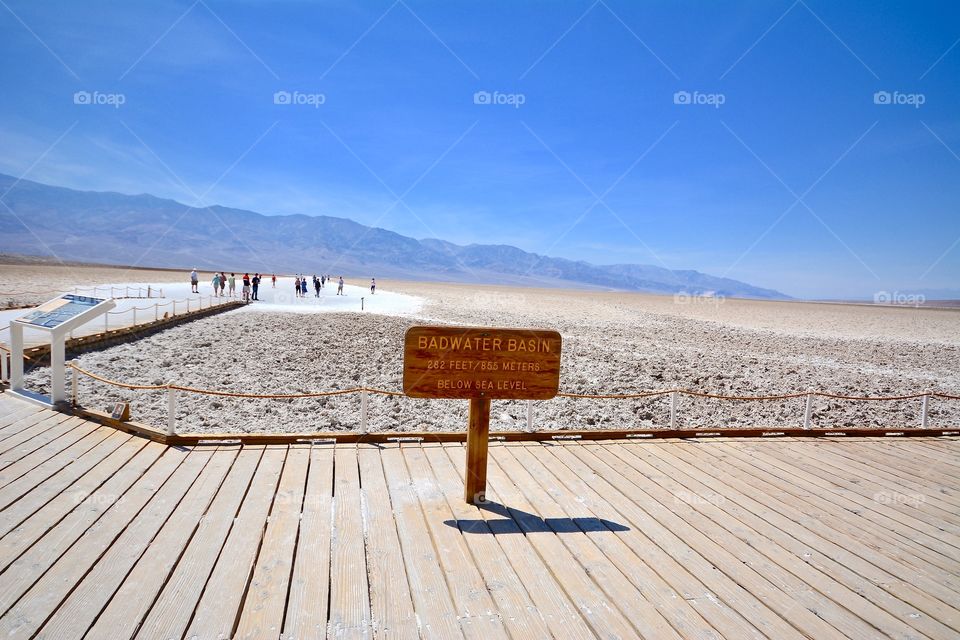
613 343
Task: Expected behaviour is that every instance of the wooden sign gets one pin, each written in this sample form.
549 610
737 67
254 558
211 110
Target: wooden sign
480 364
475 362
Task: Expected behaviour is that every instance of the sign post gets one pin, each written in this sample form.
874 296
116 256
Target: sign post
480 364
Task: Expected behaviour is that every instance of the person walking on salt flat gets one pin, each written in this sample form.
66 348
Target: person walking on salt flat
216 283
340 286
223 282
246 287
256 286
373 286
233 284
194 281
303 286
274 280
296 287
323 281
316 286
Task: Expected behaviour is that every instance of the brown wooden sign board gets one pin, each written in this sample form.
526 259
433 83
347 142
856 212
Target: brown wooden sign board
480 364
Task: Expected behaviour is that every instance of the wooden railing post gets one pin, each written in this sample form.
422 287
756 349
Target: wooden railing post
363 410
171 410
478 434
673 409
924 408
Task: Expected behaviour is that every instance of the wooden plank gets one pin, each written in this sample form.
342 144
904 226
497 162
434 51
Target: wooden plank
512 600
478 614
890 616
264 606
550 601
786 473
20 418
391 605
349 595
899 473
58 495
822 547
678 565
541 491
136 593
172 610
36 458
481 363
219 607
62 521
597 608
30 598
31 439
738 589
695 506
310 583
189 489
639 562
39 473
428 587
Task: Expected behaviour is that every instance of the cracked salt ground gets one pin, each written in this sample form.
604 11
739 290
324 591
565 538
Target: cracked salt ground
613 343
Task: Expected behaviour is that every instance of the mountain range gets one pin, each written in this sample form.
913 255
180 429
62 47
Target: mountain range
144 230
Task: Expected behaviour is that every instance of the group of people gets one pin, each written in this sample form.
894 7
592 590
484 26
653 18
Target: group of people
224 285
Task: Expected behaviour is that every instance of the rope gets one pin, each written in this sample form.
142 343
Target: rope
644 394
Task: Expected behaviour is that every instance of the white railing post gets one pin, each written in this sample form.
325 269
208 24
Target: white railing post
364 397
673 409
106 322
924 407
134 316
529 415
808 409
201 303
171 409
156 312
188 305
73 385
174 312
3 365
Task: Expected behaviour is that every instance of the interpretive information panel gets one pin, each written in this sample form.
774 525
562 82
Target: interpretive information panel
480 362
54 313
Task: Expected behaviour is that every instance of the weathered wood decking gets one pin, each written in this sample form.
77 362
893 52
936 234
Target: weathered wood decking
107 535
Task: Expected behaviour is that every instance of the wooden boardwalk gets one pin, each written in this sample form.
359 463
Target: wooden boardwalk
107 535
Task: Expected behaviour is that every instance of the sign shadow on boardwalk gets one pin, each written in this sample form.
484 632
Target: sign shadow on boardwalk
518 521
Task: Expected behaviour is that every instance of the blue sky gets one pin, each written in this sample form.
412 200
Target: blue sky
745 139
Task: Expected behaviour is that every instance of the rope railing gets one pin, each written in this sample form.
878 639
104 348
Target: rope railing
150 291
172 389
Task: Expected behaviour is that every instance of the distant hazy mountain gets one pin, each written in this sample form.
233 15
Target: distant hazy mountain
144 230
